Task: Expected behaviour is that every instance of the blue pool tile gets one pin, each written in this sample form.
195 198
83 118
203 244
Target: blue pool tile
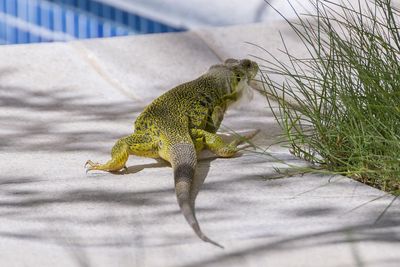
76 18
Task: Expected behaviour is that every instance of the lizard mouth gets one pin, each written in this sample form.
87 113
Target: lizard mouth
253 71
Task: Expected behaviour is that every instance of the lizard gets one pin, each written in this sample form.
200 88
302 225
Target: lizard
179 124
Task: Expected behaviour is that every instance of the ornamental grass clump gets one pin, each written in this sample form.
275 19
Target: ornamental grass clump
339 106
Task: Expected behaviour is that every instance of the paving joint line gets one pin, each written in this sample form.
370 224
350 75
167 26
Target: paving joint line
208 45
92 61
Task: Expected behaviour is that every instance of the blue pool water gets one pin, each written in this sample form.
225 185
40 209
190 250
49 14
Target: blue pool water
31 21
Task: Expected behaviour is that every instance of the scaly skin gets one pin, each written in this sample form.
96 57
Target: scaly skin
182 122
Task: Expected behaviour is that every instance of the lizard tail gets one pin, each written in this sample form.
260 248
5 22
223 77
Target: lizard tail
183 161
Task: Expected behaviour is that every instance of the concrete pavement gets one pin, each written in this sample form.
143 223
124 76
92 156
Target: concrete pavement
61 104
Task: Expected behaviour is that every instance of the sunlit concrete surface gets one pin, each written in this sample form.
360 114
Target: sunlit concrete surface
62 104
202 13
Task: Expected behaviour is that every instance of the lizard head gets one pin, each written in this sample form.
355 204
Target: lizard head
238 74
244 69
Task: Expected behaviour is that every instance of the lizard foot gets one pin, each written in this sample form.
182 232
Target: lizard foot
238 144
231 149
245 138
91 166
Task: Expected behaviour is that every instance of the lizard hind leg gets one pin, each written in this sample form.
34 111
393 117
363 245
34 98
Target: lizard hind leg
138 144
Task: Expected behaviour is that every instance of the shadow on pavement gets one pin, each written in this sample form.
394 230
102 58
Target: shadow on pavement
59 119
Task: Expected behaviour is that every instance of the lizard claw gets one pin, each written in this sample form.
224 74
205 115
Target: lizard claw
87 163
92 165
252 134
245 138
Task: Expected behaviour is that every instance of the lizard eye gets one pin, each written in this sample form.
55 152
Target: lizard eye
238 78
246 63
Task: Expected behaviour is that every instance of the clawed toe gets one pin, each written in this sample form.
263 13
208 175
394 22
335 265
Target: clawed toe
89 162
245 138
252 134
108 167
92 166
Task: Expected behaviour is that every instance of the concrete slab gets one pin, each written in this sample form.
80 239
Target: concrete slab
58 109
242 40
148 65
203 13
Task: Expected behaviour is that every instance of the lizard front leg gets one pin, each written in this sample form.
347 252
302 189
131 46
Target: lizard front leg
217 145
137 144
215 120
